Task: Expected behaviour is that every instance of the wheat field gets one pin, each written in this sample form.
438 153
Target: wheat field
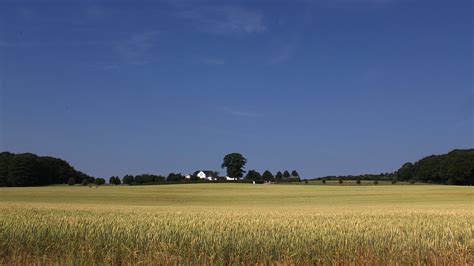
237 224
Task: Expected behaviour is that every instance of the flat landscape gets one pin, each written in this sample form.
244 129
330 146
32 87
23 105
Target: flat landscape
237 223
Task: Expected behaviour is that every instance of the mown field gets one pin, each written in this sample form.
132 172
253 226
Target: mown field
237 224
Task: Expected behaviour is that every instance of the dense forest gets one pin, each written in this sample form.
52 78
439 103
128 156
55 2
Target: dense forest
454 168
27 169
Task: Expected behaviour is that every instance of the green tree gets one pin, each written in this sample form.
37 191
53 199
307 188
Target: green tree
267 176
235 163
295 174
175 177
253 175
405 172
115 180
279 176
128 179
286 174
99 181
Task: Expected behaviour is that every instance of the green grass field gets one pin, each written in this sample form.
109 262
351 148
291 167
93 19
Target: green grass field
237 224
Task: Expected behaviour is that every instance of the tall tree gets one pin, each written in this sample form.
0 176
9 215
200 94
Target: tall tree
286 174
295 174
253 175
128 179
235 163
267 176
279 176
405 172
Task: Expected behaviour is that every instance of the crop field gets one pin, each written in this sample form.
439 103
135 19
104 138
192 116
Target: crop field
237 224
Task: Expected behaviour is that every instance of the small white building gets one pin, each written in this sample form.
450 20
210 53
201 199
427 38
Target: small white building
230 178
206 175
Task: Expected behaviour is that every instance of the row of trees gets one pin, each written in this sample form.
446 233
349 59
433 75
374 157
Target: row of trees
28 169
267 176
381 176
455 167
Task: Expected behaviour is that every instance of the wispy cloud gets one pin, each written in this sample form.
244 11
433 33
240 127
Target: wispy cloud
235 112
225 19
137 49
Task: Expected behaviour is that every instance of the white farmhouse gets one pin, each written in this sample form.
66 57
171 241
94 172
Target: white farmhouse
206 175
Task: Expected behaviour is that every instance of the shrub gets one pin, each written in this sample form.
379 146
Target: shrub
341 181
99 181
376 182
358 182
394 182
71 181
324 181
306 181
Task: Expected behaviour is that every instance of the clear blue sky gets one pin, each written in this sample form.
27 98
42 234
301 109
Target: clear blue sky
326 87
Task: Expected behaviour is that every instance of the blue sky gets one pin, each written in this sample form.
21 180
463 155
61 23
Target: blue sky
325 87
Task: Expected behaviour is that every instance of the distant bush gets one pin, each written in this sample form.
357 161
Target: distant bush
84 182
412 182
99 181
306 181
394 182
376 182
71 181
324 181
341 181
358 182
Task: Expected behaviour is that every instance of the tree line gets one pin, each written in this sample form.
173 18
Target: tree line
27 169
453 168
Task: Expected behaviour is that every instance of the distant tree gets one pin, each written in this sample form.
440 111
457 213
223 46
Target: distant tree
115 180
358 181
286 174
235 163
99 181
324 181
71 181
253 175
405 172
159 178
306 181
128 179
175 177
295 174
341 181
267 176
84 182
278 176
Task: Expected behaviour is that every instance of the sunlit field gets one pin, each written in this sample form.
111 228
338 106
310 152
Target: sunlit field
237 224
